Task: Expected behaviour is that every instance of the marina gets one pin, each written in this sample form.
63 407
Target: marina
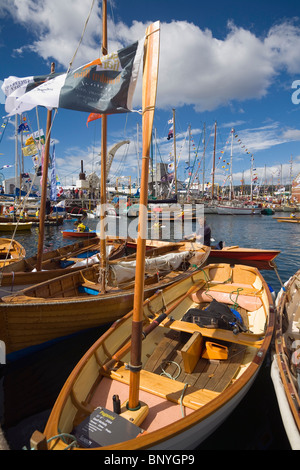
164 315
23 417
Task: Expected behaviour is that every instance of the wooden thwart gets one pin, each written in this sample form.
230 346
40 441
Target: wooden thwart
167 388
246 339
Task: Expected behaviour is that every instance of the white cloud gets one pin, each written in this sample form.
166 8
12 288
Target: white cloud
195 67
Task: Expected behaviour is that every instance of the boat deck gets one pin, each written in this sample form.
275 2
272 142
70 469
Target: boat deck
211 374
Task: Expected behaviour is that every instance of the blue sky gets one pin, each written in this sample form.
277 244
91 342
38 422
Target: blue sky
229 62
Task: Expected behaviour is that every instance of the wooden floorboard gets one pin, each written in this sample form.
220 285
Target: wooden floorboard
213 375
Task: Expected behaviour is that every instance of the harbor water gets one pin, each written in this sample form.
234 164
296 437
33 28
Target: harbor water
29 385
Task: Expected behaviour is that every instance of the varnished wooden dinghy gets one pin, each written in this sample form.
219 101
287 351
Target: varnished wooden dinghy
59 262
11 251
75 301
11 226
191 377
285 370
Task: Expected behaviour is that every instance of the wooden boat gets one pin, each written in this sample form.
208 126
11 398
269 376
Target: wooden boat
11 251
285 370
259 258
11 226
76 301
50 220
76 234
192 377
59 261
292 220
154 401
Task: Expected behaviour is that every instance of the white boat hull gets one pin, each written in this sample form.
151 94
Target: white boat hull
232 210
284 407
193 437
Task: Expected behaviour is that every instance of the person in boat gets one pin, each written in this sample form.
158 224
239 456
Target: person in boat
81 227
48 208
203 233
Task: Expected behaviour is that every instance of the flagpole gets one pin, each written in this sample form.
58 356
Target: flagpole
44 188
103 163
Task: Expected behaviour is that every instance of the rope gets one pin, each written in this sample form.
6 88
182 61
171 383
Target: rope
274 266
63 436
81 38
164 373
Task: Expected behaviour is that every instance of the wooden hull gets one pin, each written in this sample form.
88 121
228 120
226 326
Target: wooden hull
206 392
72 303
289 220
285 371
75 234
23 272
11 252
261 259
35 220
11 226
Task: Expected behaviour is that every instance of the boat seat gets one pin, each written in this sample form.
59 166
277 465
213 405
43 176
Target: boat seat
166 388
89 288
247 339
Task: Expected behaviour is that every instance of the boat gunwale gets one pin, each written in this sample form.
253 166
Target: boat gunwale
147 440
281 356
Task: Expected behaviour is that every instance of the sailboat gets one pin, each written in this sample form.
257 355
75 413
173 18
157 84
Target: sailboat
116 397
86 298
11 252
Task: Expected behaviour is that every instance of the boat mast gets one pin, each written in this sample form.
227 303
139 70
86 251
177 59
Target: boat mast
103 163
231 181
150 72
203 177
16 154
44 188
214 159
175 163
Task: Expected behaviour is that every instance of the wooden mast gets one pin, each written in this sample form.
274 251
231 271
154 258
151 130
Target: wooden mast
175 162
214 159
150 73
103 163
44 189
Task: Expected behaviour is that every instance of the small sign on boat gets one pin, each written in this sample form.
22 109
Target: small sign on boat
103 428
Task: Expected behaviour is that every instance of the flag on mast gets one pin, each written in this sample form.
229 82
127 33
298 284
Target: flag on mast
105 85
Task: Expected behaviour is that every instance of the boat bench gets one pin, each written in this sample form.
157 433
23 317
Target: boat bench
247 339
89 288
166 388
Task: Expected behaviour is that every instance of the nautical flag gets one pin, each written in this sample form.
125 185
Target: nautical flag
170 134
105 85
6 166
39 136
30 150
93 117
23 127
